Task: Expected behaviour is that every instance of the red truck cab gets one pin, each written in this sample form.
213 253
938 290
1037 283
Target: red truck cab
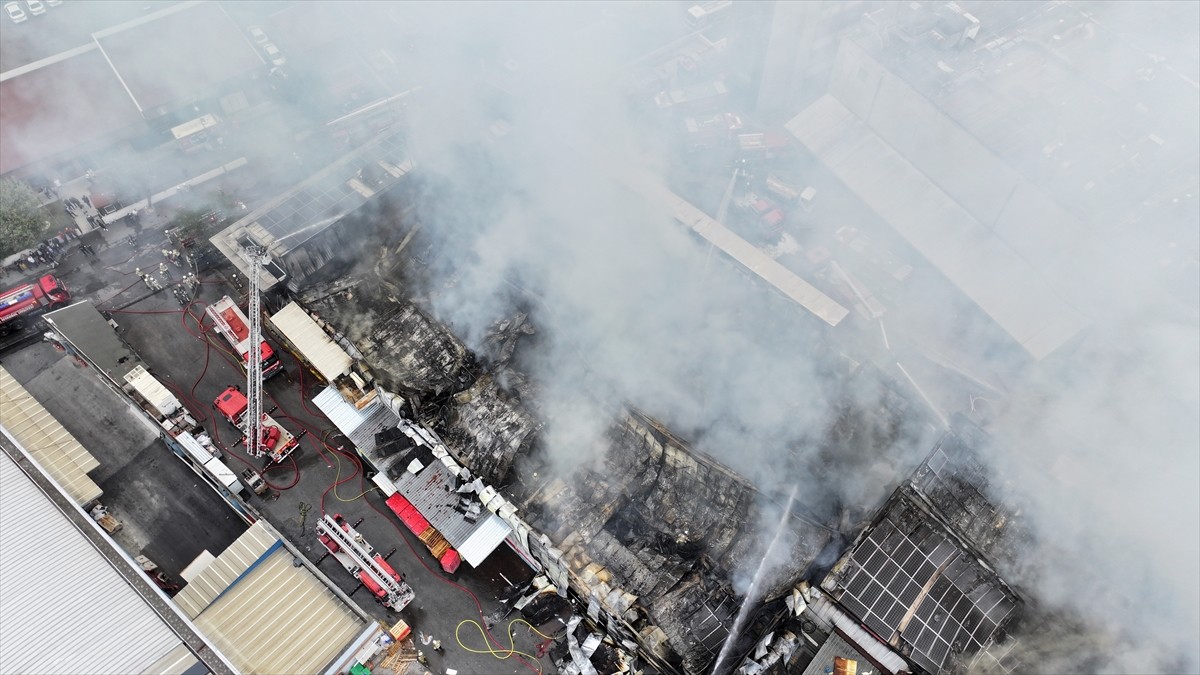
29 300
232 405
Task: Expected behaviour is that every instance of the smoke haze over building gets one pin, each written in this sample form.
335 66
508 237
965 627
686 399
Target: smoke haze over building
538 161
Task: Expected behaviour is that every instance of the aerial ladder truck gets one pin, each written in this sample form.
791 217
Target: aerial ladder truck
360 559
263 435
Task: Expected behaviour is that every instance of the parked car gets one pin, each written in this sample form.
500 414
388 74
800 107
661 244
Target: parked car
258 35
15 12
53 3
35 7
274 54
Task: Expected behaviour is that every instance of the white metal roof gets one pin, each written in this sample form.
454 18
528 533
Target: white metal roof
486 538
95 624
266 614
47 441
764 266
360 426
313 344
983 266
148 387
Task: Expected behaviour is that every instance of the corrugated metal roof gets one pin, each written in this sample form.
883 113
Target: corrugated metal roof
280 619
484 539
432 492
104 626
47 441
984 267
276 618
313 344
178 661
360 426
221 572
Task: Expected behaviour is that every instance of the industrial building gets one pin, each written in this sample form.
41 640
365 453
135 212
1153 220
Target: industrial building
920 91
883 106
119 73
144 631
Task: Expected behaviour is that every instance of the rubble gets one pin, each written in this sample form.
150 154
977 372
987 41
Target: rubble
651 536
408 352
487 431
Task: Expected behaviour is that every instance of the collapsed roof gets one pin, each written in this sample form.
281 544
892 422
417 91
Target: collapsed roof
652 534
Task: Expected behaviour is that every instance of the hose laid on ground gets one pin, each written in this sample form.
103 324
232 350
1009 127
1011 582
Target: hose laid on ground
501 654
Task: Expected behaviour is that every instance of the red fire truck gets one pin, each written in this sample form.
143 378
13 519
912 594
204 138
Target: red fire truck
17 305
276 441
231 323
359 558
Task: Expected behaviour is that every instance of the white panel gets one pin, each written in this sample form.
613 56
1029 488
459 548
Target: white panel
484 540
108 628
149 388
313 344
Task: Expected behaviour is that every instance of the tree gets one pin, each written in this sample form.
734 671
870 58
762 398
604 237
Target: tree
21 219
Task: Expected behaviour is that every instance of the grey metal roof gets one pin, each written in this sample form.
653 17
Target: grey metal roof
432 492
835 647
94 624
360 426
82 325
983 266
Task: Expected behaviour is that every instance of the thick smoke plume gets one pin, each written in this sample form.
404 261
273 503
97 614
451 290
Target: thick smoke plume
544 211
638 311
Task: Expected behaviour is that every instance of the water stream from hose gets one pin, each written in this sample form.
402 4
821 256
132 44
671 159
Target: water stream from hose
752 594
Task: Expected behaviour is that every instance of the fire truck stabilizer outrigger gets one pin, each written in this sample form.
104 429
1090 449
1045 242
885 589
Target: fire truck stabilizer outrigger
274 440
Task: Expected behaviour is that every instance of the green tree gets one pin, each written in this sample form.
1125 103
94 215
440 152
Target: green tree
21 218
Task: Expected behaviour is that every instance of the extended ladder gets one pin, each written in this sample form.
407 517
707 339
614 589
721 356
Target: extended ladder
356 555
255 256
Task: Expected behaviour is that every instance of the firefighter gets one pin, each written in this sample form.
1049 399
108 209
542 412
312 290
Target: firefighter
421 658
437 646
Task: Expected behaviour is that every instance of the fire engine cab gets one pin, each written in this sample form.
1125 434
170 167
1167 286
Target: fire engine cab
17 305
276 442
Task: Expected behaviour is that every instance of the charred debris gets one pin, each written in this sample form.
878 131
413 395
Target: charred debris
652 533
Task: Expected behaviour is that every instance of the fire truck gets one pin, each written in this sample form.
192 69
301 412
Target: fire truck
360 560
231 323
19 304
275 441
